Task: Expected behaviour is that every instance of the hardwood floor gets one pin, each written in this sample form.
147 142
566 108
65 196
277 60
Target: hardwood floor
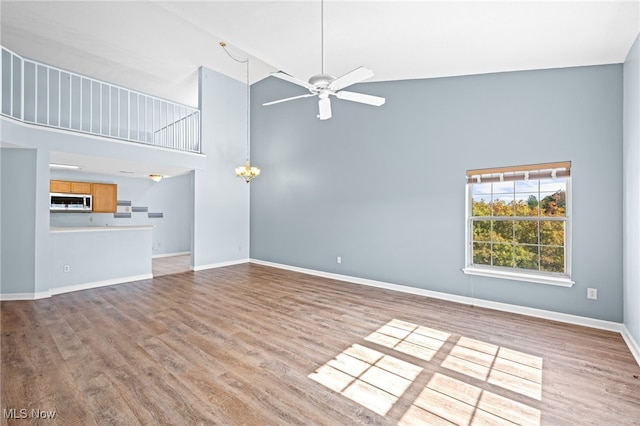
171 265
254 345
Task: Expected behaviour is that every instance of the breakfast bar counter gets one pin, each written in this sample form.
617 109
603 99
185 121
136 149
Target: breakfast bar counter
95 256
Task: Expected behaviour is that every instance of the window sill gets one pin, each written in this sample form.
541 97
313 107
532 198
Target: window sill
539 279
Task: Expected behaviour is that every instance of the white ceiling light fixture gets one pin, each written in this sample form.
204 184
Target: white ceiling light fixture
155 177
247 172
325 85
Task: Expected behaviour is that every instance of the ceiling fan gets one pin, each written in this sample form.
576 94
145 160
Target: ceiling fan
325 85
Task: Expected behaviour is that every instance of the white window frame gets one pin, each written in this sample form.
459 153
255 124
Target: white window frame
540 277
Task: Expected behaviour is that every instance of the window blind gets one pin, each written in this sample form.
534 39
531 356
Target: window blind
525 172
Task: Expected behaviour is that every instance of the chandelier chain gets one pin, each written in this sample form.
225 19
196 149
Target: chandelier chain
243 61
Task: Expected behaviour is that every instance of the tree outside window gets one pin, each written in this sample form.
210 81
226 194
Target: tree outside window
518 219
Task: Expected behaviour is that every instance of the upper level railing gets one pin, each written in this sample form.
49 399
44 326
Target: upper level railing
41 94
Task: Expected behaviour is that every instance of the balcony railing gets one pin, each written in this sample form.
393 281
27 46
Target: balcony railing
41 94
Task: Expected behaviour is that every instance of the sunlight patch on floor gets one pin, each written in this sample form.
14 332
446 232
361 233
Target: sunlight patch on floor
368 377
411 339
509 369
450 400
378 381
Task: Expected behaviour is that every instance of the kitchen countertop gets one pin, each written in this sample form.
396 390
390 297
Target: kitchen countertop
101 228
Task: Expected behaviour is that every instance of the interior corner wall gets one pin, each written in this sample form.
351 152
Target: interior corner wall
221 200
42 222
18 245
384 187
631 188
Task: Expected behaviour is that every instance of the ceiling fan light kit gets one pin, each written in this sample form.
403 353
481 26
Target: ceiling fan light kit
325 85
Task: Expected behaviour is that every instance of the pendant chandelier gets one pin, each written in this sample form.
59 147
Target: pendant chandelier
247 171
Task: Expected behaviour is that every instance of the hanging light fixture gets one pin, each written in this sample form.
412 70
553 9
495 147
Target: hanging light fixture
247 171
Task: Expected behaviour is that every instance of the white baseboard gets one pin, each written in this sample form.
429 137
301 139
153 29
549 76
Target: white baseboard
533 312
25 296
180 253
77 287
96 284
219 265
634 347
551 315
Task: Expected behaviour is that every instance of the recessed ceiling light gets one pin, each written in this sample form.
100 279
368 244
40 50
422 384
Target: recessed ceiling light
63 166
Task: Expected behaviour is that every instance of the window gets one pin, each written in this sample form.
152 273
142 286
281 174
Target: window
518 223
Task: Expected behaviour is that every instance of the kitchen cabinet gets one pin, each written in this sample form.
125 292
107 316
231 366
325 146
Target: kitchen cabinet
104 197
65 186
80 187
59 186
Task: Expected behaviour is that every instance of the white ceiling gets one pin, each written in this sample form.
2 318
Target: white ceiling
157 46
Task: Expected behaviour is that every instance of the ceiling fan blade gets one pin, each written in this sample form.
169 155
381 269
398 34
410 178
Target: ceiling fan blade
288 99
352 77
325 108
286 77
360 97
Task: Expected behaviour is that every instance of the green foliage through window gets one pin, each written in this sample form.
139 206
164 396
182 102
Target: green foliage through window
519 224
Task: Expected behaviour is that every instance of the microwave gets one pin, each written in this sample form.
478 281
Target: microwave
60 202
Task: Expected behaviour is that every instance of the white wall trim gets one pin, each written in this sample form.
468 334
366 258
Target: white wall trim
67 229
218 265
180 253
519 276
533 312
25 296
95 284
634 347
77 287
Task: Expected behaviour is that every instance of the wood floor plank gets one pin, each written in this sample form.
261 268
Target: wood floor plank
34 372
248 344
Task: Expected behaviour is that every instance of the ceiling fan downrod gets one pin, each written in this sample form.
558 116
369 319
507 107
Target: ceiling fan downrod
325 85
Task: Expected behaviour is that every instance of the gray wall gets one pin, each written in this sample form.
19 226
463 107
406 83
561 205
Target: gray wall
384 187
631 168
18 242
221 200
99 256
173 197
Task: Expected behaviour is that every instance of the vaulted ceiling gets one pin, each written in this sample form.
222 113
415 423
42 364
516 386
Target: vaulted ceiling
157 46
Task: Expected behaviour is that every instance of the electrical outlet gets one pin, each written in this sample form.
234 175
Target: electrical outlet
592 293
66 268
339 259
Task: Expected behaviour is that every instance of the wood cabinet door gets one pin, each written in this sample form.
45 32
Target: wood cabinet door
105 197
59 186
80 187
